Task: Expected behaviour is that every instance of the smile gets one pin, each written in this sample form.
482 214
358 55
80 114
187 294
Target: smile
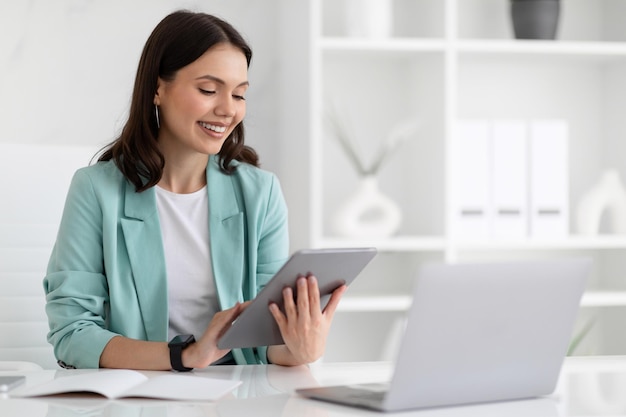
218 129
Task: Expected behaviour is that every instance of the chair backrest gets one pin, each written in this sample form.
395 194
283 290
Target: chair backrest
35 179
12 366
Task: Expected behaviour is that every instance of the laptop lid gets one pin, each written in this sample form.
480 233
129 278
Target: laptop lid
486 332
479 333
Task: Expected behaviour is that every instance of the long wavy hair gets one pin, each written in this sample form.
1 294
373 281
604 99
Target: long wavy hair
177 41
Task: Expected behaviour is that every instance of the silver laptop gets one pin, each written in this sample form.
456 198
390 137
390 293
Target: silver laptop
478 333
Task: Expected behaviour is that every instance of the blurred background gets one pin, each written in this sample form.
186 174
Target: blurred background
434 130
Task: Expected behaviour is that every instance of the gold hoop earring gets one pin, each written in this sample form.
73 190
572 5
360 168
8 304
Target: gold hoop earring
156 112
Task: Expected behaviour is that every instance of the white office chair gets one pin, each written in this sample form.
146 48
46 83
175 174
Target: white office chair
23 324
28 225
11 366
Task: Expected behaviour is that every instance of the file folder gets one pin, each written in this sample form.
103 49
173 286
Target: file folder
549 178
509 183
471 180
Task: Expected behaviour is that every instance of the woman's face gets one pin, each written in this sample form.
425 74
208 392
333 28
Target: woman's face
204 102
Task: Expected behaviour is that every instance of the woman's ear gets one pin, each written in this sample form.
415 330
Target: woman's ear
157 98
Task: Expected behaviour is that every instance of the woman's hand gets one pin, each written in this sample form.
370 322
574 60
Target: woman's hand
205 351
303 325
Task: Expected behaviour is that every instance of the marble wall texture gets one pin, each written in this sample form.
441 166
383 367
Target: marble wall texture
67 67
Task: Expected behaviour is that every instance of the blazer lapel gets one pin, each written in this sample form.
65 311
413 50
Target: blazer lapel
226 224
144 243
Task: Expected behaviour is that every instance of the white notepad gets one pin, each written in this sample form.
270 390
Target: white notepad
123 383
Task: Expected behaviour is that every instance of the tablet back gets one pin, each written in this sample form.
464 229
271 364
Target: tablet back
332 268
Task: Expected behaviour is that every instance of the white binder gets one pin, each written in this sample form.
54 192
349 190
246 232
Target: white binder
509 183
471 180
549 178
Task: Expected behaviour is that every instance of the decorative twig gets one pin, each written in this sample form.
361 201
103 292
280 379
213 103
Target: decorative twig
396 137
347 146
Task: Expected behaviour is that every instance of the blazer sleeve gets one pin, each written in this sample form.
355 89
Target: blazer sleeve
76 289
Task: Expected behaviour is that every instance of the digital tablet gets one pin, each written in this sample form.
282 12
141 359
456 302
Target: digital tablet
332 268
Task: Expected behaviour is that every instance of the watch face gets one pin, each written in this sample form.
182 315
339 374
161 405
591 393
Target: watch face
182 339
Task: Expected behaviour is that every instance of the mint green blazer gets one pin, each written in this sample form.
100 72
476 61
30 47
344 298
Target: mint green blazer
106 274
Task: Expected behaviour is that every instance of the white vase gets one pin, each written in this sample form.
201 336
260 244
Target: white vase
607 195
367 213
369 18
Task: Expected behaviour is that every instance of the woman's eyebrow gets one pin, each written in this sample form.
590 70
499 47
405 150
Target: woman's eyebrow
219 80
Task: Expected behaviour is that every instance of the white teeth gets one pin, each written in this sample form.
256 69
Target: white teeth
218 129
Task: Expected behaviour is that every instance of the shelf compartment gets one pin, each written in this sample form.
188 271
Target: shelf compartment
409 18
371 97
580 20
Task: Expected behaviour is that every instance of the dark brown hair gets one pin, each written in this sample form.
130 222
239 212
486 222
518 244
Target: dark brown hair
177 41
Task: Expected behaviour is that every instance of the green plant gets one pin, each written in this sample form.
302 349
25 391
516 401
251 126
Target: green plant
578 337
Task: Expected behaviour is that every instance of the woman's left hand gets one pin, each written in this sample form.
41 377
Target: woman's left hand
303 325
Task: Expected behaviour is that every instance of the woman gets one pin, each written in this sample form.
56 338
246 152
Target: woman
176 226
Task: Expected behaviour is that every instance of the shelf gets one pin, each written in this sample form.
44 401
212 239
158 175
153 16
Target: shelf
604 299
358 304
539 47
383 45
420 244
570 243
596 51
401 303
400 244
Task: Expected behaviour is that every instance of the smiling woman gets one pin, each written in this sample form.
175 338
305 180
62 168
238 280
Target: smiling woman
175 227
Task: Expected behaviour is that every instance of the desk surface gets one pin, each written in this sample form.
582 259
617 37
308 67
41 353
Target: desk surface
590 386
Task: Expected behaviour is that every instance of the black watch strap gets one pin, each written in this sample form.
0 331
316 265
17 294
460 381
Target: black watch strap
177 345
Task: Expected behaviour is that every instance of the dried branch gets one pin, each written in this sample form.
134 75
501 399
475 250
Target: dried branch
396 137
347 145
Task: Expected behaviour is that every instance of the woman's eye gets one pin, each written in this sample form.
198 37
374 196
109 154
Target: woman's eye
207 92
238 97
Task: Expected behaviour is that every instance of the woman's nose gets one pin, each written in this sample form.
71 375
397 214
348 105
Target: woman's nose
226 106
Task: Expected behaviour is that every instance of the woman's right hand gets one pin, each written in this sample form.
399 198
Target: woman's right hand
205 351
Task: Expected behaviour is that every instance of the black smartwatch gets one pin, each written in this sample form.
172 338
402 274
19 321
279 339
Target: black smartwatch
176 345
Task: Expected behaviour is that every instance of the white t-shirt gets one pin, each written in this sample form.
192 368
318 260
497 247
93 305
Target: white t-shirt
192 298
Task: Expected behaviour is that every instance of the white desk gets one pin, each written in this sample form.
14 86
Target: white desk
591 386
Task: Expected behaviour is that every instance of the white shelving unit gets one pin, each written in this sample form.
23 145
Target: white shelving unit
449 60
